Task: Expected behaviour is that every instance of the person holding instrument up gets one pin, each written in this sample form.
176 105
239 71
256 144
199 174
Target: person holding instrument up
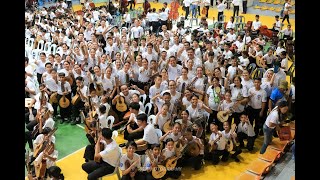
79 100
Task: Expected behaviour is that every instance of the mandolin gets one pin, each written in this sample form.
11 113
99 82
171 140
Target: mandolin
231 142
193 149
260 62
53 98
76 98
223 116
159 170
63 102
172 161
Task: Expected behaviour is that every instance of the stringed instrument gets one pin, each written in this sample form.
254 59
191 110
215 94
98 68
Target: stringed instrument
64 102
213 145
76 98
193 149
53 98
43 145
40 169
38 128
99 87
172 161
98 130
120 104
260 62
231 142
159 170
127 164
30 177
223 116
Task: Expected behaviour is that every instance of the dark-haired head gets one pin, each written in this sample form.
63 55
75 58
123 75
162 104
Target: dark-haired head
106 133
131 143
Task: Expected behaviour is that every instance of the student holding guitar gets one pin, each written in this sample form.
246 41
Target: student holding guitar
230 135
194 151
171 156
153 168
130 163
217 146
78 100
64 98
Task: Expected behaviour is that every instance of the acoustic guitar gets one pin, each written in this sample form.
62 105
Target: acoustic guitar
260 62
120 102
40 168
231 142
159 170
43 145
30 177
75 99
213 146
172 161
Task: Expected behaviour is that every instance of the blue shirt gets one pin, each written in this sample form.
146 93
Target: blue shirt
276 95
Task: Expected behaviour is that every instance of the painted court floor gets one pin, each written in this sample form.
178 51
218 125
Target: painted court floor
71 140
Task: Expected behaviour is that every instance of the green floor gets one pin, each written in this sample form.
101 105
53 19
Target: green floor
69 138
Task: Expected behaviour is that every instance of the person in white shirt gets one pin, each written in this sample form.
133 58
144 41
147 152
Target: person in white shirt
256 25
186 4
217 144
245 131
109 157
220 7
257 105
236 5
284 61
130 163
137 30
273 122
150 136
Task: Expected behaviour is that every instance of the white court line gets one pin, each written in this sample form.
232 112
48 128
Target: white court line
71 154
80 126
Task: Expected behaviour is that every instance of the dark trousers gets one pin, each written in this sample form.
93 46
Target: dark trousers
131 3
31 125
187 9
148 175
213 118
235 11
254 115
132 136
65 112
211 2
39 77
26 116
237 150
220 14
244 6
194 162
199 11
28 138
138 176
89 152
236 117
69 3
293 111
207 11
286 17
241 136
215 156
174 174
76 109
96 170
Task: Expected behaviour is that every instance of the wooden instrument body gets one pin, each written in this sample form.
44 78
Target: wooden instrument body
193 149
167 126
231 142
40 168
64 102
159 170
223 116
99 89
75 99
213 146
121 105
44 145
285 133
53 98
260 62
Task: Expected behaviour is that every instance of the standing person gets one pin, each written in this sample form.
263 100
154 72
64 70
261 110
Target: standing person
194 8
245 131
244 6
221 7
286 9
236 5
206 4
186 8
273 122
110 156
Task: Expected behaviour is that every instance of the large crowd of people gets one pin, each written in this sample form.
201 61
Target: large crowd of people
179 96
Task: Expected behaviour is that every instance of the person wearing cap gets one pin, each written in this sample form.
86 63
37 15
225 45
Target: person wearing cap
281 93
273 123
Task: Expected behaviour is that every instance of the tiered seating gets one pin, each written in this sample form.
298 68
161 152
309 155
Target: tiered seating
272 5
263 164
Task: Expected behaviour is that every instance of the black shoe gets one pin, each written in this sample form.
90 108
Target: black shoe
241 146
122 145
